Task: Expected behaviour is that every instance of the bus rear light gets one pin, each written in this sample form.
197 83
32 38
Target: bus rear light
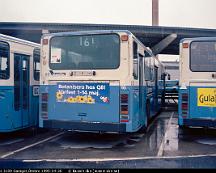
184 114
124 38
184 106
124 109
44 107
184 97
44 115
124 121
45 41
124 98
44 97
185 45
124 117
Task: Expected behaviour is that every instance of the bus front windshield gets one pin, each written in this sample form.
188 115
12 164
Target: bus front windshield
79 52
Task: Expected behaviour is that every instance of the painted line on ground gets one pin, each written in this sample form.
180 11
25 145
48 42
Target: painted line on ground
9 142
161 148
29 146
118 159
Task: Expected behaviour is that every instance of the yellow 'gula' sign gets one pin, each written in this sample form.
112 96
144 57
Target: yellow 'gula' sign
206 97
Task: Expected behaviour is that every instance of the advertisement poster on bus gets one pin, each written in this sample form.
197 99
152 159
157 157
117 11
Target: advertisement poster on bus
85 93
206 97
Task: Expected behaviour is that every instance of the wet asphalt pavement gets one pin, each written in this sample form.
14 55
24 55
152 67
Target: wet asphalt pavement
163 146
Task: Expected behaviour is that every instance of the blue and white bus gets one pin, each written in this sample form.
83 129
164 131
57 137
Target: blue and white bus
197 85
19 83
103 81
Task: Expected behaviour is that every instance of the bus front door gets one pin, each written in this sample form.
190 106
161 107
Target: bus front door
21 87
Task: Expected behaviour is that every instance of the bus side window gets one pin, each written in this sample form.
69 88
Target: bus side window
4 61
148 68
36 64
135 61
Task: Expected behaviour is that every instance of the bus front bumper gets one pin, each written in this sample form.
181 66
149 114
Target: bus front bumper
85 126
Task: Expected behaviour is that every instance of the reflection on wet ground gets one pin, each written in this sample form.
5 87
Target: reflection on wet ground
190 141
163 138
72 145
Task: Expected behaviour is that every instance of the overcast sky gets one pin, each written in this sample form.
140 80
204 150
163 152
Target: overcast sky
182 13
188 13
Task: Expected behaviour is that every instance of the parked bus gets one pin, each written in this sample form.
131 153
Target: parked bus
19 83
197 86
103 81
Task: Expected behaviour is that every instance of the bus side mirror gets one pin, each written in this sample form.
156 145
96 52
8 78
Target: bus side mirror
168 76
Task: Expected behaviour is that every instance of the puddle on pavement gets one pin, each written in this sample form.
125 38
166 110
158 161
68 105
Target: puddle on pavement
152 139
171 137
207 141
80 142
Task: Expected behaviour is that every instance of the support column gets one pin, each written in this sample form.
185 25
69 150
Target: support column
155 13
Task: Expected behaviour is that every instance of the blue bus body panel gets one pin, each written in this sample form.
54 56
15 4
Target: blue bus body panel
172 86
197 116
8 120
11 120
199 111
107 114
98 112
33 108
180 117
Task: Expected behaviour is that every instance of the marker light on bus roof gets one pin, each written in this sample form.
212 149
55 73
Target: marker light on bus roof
124 38
185 45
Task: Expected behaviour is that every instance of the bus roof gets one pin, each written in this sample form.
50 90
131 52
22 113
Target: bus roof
198 39
86 32
18 40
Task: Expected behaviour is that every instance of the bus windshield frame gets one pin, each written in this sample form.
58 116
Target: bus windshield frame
203 60
90 52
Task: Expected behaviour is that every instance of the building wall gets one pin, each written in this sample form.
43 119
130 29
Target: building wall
173 69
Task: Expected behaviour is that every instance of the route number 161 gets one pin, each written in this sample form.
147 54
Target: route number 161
86 42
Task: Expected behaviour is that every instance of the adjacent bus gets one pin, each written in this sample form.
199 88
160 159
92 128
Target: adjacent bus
19 83
103 81
197 85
